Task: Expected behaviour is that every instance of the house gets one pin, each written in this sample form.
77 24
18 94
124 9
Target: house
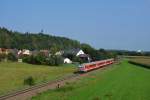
85 57
24 52
75 52
3 51
45 52
80 52
67 60
13 51
35 52
59 53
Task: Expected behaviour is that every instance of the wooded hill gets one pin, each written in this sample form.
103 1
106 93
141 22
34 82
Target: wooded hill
14 39
38 41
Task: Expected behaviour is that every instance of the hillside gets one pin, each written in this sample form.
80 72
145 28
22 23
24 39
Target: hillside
13 39
38 41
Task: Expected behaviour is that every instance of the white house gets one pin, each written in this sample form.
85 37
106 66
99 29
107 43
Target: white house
24 52
80 52
59 53
67 60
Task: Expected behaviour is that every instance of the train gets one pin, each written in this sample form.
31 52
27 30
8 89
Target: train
85 67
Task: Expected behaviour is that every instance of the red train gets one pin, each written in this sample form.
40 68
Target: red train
94 65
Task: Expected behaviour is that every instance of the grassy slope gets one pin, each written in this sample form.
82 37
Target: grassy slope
13 74
120 82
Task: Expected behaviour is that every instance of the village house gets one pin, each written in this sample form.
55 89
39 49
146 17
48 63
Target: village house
45 52
67 60
75 52
24 52
3 51
13 51
60 53
35 52
78 53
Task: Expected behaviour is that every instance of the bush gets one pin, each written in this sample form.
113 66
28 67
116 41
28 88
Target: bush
29 81
139 64
3 56
54 60
78 59
41 59
27 59
58 60
11 57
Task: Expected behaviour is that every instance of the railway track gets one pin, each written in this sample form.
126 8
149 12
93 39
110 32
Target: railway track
6 97
36 87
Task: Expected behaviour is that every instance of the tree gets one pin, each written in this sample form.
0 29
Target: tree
3 56
11 57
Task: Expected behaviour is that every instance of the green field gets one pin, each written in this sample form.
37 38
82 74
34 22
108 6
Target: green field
123 81
12 75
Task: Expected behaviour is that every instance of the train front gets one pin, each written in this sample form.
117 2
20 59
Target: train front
81 68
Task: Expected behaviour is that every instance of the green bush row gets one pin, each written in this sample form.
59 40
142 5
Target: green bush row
9 56
139 64
43 60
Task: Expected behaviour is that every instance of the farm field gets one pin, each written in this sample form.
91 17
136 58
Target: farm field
12 74
142 59
123 81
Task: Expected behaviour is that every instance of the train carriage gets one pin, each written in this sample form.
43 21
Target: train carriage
94 65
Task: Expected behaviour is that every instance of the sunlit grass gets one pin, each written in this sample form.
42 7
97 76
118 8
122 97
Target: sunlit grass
120 82
12 74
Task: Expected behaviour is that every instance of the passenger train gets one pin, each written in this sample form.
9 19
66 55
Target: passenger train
95 65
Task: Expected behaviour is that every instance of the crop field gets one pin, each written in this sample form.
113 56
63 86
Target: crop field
122 81
12 75
142 59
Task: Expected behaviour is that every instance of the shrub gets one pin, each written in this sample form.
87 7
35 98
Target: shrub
11 57
3 56
50 61
96 98
40 59
139 64
54 60
29 81
78 59
58 60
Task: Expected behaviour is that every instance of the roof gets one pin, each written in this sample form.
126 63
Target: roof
73 51
84 55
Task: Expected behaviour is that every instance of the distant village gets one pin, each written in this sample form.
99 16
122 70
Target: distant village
67 55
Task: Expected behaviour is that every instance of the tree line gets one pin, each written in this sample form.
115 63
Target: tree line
37 41
31 41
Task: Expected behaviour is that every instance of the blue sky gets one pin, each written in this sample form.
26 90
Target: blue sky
109 24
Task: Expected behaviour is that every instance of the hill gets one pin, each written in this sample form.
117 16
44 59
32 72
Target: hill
38 41
13 39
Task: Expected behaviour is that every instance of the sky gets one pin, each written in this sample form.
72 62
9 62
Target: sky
108 24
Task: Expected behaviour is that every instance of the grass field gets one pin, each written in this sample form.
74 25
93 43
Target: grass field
12 74
119 82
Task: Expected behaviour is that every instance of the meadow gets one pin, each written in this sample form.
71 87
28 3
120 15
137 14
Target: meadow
12 74
122 81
